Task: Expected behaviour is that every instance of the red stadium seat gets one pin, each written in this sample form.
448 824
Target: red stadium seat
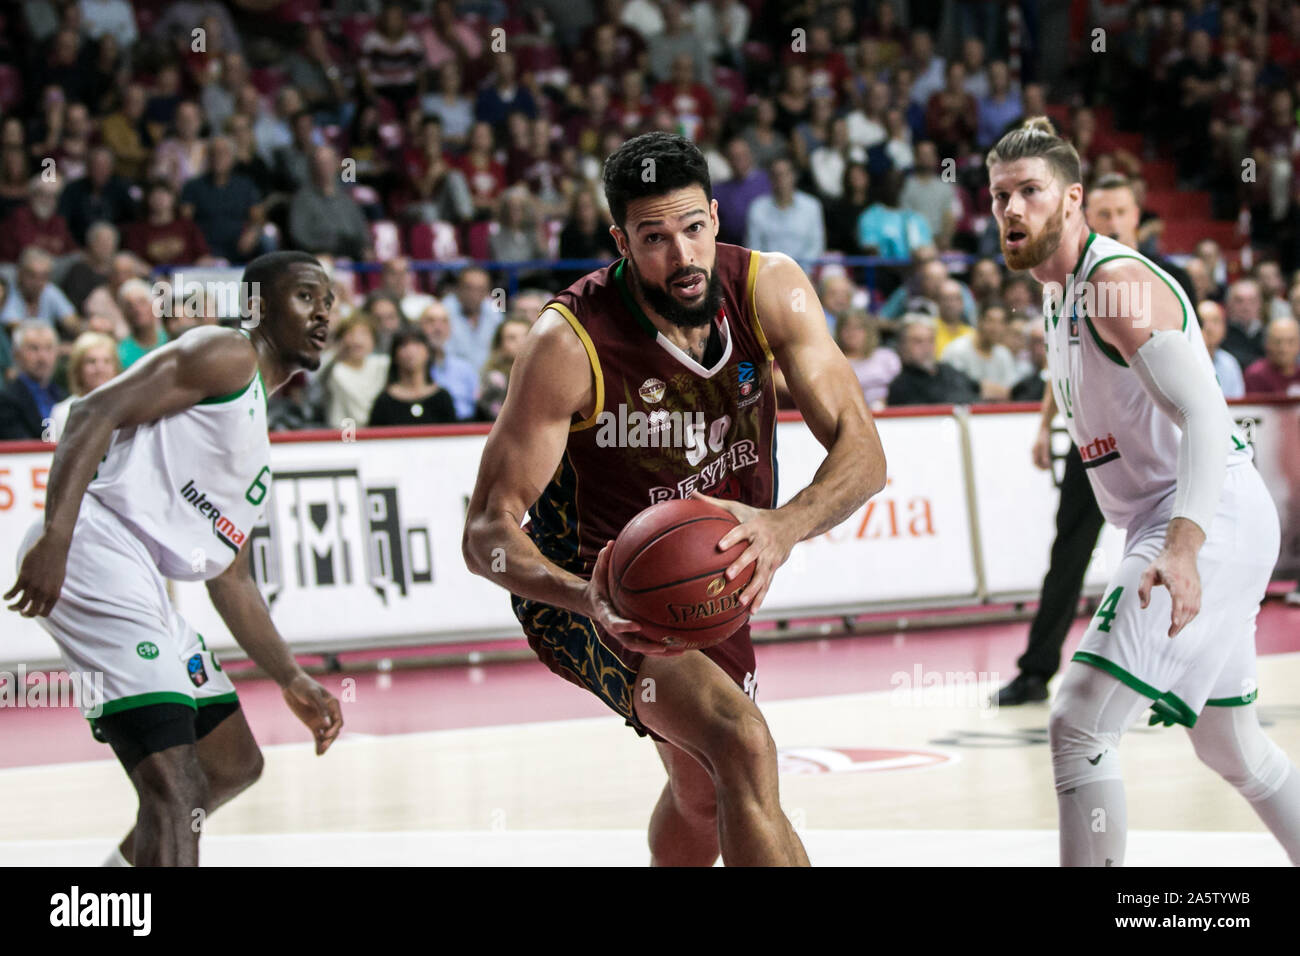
11 87
354 30
387 239
433 240
477 235
732 85
553 229
267 79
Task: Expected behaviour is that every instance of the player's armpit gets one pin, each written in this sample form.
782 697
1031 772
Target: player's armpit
1128 302
825 390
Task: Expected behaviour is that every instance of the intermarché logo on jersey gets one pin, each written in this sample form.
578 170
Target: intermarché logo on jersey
222 527
1099 451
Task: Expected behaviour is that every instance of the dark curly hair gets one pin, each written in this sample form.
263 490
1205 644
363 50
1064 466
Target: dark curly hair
650 165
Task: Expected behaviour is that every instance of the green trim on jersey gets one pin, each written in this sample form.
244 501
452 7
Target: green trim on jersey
1168 708
638 313
1241 701
1107 349
222 399
1075 271
147 700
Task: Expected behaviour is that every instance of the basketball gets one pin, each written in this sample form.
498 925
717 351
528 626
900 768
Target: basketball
667 574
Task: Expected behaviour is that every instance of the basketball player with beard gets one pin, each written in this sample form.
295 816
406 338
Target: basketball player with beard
684 325
1175 631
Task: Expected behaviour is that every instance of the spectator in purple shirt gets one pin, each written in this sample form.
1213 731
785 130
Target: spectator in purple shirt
734 196
858 336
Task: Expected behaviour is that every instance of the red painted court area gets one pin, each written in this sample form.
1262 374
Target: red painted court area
446 698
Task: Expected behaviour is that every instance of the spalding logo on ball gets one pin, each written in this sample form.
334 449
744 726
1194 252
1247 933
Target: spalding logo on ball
667 574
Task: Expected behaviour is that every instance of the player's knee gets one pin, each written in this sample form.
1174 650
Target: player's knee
239 774
739 738
172 788
1080 755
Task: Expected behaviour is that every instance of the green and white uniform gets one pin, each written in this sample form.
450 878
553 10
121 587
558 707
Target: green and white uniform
173 498
1130 450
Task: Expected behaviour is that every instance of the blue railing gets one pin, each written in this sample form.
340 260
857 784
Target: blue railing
512 270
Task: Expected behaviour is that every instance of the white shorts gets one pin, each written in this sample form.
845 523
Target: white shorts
1212 660
115 623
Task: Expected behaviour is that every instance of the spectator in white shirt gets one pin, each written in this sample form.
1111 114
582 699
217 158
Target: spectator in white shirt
354 376
786 220
109 16
983 358
867 125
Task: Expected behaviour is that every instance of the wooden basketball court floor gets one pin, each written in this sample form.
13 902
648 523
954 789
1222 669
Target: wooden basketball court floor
507 765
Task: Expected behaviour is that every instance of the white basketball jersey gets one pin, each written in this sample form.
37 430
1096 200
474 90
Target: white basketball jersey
192 485
1128 445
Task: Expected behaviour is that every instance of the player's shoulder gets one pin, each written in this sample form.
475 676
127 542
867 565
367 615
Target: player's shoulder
777 272
219 359
557 332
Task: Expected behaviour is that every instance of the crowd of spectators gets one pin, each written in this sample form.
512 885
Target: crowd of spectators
139 139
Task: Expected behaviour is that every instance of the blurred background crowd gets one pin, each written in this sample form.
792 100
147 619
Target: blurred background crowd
440 156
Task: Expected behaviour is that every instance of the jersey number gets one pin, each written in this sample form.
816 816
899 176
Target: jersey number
696 445
257 490
1108 609
1063 390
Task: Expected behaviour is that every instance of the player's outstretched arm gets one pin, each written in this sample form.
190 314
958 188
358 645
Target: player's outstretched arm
1152 342
201 364
235 595
830 399
550 382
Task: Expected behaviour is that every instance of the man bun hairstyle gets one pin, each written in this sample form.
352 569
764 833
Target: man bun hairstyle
1036 137
652 164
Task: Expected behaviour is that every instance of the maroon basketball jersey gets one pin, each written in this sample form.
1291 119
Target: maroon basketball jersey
663 424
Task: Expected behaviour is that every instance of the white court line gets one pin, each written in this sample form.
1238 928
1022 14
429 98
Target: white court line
628 848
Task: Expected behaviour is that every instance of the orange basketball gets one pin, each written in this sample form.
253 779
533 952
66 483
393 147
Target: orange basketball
666 573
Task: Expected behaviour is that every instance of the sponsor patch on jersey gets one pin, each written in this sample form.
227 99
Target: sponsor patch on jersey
747 384
198 674
1099 451
225 530
652 391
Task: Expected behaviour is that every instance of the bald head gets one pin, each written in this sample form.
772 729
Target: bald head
1214 324
1282 344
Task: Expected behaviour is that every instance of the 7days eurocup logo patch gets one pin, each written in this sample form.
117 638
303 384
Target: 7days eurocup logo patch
198 674
746 384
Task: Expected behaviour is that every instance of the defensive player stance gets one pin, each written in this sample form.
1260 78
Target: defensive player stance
681 329
161 473
1137 389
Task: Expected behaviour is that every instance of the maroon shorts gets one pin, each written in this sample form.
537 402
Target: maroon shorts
580 651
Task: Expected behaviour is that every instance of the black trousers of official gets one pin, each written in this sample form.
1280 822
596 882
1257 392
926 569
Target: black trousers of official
1078 523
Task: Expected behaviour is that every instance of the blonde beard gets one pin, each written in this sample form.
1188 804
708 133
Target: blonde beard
1037 249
